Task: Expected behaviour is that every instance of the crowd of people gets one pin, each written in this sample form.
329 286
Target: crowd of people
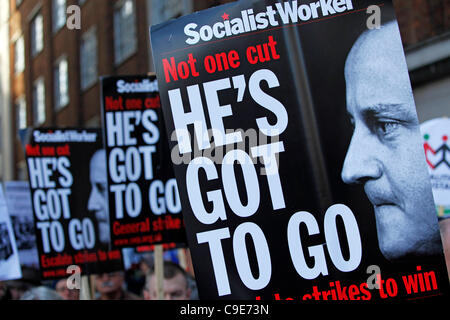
136 283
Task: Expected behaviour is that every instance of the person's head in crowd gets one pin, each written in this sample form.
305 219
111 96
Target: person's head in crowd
146 264
111 286
385 154
41 293
66 293
97 203
17 288
5 294
175 283
30 279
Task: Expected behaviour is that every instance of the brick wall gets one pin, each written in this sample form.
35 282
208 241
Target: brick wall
420 20
84 105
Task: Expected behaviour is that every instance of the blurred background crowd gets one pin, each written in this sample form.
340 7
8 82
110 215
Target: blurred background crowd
137 282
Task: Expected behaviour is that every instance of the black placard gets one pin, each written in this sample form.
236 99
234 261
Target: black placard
145 208
67 180
266 157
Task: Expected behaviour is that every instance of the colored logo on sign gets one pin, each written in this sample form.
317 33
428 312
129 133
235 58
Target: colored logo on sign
439 153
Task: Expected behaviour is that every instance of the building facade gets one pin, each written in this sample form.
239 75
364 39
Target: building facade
51 62
55 61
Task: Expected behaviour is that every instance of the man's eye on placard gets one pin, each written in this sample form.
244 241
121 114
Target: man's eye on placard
386 128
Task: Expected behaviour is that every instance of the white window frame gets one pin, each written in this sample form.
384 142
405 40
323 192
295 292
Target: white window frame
39 105
19 55
37 36
59 14
21 112
89 58
59 103
124 45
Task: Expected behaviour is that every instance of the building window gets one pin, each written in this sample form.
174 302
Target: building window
39 101
168 9
88 58
61 81
59 14
19 55
37 34
125 41
21 113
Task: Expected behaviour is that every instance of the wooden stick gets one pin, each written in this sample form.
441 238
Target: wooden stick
84 290
93 289
159 271
190 267
182 258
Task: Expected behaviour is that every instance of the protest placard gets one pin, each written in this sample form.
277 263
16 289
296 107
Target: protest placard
144 204
9 255
67 177
297 152
18 201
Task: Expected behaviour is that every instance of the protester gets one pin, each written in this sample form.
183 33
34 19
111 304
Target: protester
66 293
41 293
17 288
146 263
175 283
134 279
111 286
30 279
5 294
